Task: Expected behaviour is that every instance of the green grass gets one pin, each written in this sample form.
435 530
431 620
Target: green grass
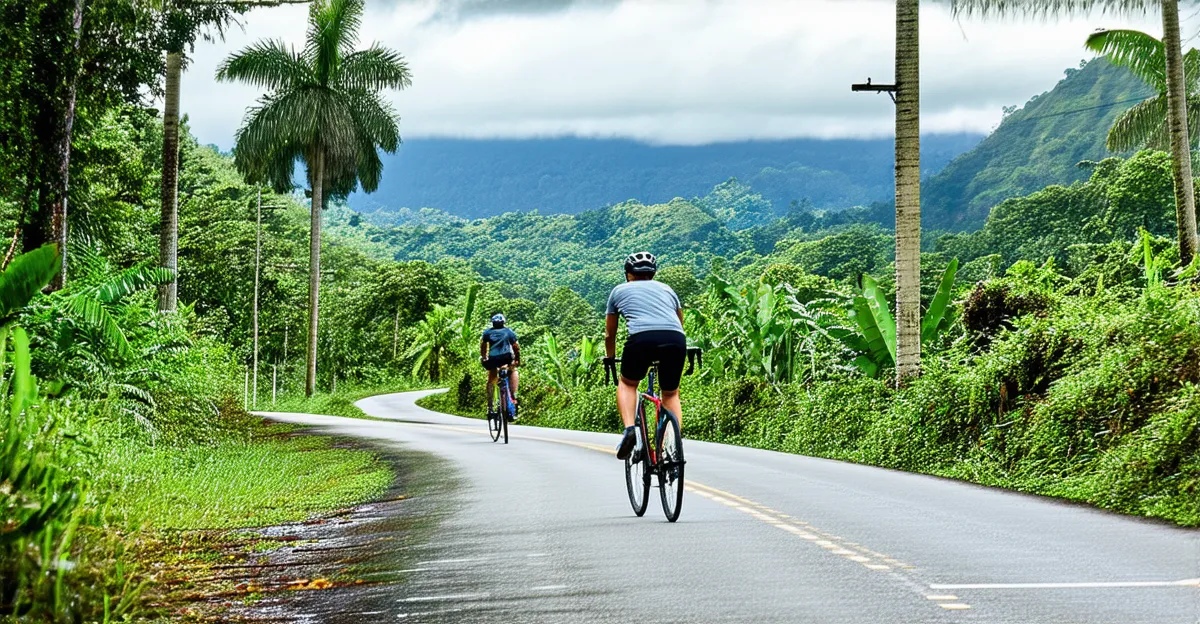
340 403
271 478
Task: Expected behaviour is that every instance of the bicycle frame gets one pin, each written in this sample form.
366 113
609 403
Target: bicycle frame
505 390
651 397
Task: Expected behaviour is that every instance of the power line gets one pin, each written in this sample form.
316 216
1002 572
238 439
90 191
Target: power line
1089 108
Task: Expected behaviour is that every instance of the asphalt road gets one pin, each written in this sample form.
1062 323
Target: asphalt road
540 530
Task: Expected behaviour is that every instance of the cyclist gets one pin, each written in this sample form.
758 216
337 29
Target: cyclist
497 349
654 318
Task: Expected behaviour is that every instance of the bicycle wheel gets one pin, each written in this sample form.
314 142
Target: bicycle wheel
637 477
504 411
670 465
493 419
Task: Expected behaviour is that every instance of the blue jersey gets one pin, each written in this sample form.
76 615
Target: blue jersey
500 341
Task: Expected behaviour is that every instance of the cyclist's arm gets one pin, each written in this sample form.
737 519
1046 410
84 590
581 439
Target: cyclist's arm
679 311
483 349
610 336
516 352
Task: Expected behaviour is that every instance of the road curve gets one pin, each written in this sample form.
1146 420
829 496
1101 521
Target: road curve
540 530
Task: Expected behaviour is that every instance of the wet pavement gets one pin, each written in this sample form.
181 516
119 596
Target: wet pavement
540 530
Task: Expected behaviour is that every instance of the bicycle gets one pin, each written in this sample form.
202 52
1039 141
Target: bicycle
498 420
665 459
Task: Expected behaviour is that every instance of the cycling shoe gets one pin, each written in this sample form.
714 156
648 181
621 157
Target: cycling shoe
627 443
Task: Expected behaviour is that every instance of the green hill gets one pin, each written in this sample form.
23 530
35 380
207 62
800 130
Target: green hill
1034 147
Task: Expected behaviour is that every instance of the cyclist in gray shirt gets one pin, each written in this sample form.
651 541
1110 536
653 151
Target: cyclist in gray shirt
654 318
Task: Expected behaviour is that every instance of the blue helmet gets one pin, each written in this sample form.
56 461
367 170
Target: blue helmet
498 320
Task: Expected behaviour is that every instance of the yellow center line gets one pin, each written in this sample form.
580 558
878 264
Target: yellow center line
834 544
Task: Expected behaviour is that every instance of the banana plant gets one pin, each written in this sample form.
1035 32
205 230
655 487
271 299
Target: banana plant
569 370
467 336
760 330
874 342
35 492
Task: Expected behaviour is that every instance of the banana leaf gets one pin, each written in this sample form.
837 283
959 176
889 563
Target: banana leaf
872 341
877 305
935 316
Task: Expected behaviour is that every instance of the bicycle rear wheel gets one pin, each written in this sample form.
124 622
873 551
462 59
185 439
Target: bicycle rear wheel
670 465
505 409
637 477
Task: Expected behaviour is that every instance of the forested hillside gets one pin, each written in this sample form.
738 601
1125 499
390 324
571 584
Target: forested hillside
1036 145
482 178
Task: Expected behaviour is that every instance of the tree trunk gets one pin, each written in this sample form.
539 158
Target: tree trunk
1177 123
396 334
168 236
52 200
314 268
908 191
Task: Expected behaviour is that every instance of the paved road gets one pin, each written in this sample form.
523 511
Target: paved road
541 531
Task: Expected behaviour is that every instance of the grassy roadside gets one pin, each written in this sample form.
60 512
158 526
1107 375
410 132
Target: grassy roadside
182 508
271 475
340 403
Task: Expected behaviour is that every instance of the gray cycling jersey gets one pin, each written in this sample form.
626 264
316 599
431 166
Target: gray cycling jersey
647 305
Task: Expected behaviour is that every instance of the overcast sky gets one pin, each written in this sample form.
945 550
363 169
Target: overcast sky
671 71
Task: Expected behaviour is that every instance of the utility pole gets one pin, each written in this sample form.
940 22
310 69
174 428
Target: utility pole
257 259
257 274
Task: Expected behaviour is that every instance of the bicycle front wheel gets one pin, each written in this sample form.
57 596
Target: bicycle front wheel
493 419
637 481
670 465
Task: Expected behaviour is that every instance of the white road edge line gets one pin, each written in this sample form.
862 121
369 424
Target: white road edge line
1097 585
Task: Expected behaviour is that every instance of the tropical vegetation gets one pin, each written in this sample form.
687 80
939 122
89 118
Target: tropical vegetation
1058 318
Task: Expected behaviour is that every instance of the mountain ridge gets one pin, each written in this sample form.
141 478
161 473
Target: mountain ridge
483 178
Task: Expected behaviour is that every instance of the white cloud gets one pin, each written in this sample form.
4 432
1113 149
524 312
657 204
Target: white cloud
672 71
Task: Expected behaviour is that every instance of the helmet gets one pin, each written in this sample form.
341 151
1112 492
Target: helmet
498 320
641 262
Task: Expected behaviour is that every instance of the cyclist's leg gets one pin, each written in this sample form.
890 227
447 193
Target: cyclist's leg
493 378
627 394
512 380
635 363
671 355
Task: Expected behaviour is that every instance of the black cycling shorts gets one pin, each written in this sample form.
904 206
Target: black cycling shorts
667 347
494 362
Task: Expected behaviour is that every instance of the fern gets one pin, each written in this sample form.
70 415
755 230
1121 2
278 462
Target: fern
92 312
132 280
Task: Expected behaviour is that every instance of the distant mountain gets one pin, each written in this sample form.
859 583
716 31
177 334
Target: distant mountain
1035 146
481 178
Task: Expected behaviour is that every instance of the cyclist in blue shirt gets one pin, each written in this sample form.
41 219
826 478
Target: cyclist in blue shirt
499 348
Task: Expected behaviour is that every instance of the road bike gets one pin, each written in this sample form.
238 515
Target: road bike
498 420
664 458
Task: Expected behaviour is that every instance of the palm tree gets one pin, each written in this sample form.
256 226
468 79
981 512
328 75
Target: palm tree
1145 124
908 190
184 18
436 336
1175 81
323 108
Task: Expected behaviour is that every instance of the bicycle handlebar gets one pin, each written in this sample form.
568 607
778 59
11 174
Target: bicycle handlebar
695 355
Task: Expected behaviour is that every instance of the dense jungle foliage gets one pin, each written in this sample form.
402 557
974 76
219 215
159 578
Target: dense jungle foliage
1061 354
1066 363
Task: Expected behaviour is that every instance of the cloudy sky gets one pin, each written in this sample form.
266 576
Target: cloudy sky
671 71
